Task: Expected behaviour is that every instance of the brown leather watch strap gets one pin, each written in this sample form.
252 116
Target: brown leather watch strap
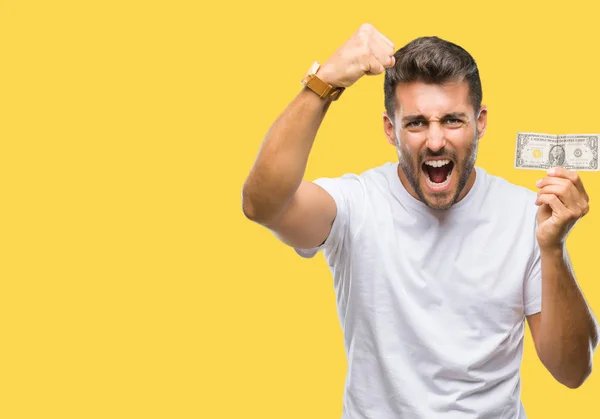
324 90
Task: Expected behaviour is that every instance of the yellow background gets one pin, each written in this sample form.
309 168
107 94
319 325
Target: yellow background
131 286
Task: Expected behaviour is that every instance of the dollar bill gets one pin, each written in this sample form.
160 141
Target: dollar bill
578 152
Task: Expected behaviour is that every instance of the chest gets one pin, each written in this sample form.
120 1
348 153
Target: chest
464 277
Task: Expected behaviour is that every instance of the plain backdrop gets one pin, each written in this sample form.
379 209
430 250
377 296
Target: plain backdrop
132 286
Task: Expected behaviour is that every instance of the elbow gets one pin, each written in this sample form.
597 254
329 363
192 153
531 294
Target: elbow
577 381
251 210
248 206
262 207
248 209
571 374
577 377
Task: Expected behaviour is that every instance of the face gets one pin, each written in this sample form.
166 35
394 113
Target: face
436 132
556 152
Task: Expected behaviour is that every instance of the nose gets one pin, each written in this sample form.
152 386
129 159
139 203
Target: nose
435 138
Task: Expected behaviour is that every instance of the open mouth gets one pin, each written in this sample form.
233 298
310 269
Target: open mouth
438 173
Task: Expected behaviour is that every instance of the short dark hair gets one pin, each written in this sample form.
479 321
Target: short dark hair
431 60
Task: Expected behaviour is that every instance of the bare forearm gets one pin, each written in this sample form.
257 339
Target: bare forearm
568 330
281 161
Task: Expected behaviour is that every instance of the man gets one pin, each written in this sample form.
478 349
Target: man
436 263
557 155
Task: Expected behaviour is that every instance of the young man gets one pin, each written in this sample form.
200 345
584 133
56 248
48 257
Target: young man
436 263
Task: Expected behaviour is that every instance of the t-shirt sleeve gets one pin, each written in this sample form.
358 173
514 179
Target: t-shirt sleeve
533 284
345 191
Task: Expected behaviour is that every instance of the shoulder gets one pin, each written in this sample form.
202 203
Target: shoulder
377 174
508 195
364 182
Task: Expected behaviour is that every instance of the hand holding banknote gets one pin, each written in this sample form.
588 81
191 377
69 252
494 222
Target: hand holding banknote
562 199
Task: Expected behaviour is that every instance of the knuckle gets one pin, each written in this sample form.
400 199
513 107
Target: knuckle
365 64
366 27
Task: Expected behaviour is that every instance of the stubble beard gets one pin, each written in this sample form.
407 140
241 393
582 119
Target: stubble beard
464 167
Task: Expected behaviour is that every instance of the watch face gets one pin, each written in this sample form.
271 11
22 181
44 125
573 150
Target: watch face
313 68
311 71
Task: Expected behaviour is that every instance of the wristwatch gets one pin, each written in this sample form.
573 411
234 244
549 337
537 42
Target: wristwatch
321 88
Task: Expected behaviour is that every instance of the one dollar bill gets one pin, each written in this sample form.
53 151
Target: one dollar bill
578 152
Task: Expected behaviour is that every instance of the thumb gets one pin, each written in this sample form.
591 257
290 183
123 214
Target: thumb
374 66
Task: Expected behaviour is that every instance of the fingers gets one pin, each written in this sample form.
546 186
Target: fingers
564 194
558 208
366 52
565 190
574 205
373 33
561 172
387 41
377 54
372 66
564 186
383 50
573 198
380 47
383 53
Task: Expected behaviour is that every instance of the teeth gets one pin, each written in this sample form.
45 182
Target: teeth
437 163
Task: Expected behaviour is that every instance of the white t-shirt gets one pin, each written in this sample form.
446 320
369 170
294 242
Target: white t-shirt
432 303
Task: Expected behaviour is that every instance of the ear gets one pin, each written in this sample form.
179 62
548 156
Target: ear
388 128
482 120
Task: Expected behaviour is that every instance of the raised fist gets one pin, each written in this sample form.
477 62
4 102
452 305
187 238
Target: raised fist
366 52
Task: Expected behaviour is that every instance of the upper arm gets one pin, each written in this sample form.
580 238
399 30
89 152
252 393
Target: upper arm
533 322
307 220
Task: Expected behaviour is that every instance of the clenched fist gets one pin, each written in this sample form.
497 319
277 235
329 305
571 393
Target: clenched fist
366 52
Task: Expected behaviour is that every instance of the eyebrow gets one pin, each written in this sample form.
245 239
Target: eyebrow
452 115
